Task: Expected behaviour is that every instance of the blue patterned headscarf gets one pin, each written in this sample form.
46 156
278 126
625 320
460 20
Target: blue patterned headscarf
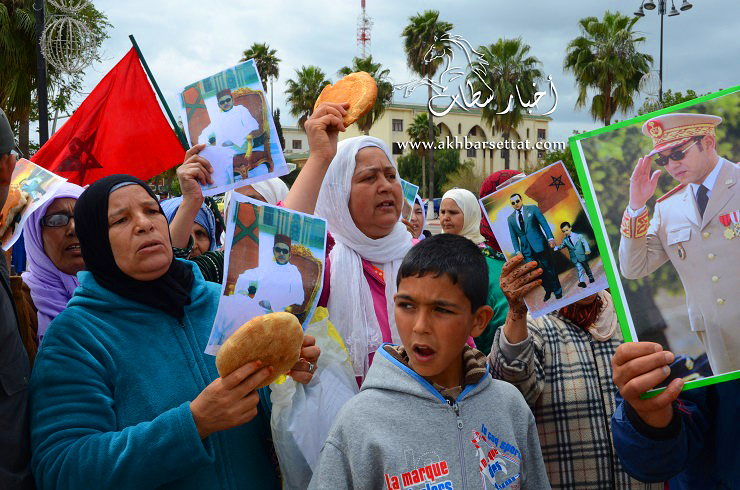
204 218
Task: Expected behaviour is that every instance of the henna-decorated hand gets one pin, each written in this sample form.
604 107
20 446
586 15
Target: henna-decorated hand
517 279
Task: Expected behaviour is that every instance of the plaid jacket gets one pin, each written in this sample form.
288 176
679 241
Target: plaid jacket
566 378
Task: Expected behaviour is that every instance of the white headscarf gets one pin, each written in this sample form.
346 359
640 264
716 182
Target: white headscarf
417 200
350 300
468 204
273 190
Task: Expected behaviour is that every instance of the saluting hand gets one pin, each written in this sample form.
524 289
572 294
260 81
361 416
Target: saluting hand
642 183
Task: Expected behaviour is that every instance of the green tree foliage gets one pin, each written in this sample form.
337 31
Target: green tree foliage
604 59
410 166
509 67
279 128
268 64
669 99
18 67
385 89
424 33
465 177
303 92
418 131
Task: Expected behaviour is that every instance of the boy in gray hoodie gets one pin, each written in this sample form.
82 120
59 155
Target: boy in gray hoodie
428 416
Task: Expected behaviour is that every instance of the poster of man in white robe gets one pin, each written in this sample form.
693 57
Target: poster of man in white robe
274 261
228 112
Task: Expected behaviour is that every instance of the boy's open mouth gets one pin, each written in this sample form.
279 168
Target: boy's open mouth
423 352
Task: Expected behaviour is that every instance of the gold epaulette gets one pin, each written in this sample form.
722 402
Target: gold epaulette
634 227
670 193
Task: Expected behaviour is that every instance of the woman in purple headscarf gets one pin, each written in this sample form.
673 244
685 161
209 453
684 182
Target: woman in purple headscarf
54 256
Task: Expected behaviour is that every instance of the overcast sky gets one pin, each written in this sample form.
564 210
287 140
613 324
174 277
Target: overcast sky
184 40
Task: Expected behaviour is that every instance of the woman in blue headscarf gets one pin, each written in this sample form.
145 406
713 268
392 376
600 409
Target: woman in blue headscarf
203 229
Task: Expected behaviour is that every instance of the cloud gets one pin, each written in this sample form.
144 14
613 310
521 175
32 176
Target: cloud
185 40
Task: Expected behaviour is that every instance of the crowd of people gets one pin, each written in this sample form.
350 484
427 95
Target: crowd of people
105 383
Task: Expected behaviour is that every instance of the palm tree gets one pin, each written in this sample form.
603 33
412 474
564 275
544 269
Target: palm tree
303 92
423 32
18 70
385 89
605 58
267 64
418 131
510 68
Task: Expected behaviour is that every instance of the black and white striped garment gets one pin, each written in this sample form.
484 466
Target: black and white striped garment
566 377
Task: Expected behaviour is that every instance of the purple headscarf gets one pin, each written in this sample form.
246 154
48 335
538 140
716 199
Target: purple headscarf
51 288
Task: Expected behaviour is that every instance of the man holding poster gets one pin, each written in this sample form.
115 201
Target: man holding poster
693 226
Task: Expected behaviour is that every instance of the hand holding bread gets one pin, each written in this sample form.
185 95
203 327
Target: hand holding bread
229 401
322 130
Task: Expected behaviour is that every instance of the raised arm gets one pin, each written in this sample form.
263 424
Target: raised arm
195 171
513 357
322 129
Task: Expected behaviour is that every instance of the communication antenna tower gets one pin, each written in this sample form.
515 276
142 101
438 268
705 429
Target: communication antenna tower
364 24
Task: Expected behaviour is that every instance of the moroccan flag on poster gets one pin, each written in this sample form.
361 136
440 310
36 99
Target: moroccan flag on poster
118 129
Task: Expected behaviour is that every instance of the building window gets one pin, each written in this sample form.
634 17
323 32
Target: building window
471 152
459 128
473 131
527 132
541 134
397 149
540 154
504 153
297 144
398 125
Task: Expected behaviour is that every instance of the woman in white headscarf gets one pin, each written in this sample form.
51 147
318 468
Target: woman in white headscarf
460 214
355 187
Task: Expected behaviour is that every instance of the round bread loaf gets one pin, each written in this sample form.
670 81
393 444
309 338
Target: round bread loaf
358 89
14 204
275 339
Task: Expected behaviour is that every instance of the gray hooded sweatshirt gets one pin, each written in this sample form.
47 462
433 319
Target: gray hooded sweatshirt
400 433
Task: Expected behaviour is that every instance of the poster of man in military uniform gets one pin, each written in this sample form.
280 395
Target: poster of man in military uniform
674 183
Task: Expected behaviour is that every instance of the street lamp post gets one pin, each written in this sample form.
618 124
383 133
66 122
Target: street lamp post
662 5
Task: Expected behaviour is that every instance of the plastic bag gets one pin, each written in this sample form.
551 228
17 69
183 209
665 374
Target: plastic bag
303 414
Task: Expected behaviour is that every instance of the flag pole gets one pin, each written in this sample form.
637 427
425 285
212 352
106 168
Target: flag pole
175 126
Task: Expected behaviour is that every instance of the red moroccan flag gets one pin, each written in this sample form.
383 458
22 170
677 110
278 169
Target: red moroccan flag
118 129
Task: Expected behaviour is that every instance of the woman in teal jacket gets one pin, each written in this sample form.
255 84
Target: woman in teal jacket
122 394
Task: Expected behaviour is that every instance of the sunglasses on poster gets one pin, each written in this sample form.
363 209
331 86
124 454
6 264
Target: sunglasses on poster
678 155
515 201
56 220
225 101
281 250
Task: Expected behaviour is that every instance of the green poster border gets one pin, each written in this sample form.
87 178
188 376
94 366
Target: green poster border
592 208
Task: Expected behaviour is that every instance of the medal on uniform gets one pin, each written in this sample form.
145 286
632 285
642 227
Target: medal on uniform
731 222
681 251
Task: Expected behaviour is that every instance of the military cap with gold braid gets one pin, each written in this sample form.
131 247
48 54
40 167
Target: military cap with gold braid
667 131
671 130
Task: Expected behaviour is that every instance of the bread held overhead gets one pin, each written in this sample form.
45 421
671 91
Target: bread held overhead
359 89
17 200
275 339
